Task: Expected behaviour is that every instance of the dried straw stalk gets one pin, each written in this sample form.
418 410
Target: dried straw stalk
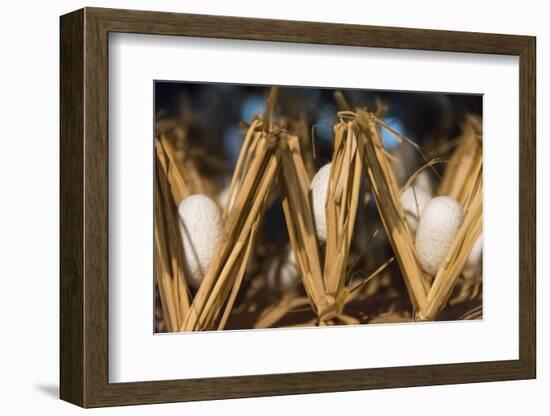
341 209
173 289
285 305
294 183
458 179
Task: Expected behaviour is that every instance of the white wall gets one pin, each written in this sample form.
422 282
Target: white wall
29 207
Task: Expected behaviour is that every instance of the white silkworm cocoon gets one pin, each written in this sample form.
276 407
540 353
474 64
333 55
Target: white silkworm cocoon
200 226
472 268
437 228
319 190
414 200
424 181
223 198
282 275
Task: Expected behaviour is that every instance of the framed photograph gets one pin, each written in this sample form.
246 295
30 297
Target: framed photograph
263 207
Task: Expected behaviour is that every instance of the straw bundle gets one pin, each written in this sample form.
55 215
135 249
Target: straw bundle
324 284
225 273
463 180
255 173
176 177
460 180
173 290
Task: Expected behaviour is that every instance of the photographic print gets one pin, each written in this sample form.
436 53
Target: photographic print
289 206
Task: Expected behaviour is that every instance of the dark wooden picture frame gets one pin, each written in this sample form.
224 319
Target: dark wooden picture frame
84 207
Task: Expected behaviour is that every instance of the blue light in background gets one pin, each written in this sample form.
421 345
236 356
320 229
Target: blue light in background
232 142
309 98
253 105
324 123
388 140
